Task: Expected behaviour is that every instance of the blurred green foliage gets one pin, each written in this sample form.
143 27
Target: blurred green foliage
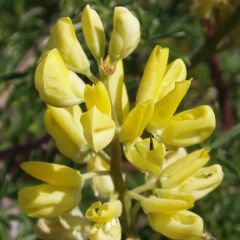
24 26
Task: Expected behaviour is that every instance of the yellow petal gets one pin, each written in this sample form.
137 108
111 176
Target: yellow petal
54 174
150 85
167 201
63 38
103 213
189 127
166 107
144 156
125 35
63 124
176 72
108 231
55 83
93 32
203 181
97 95
45 200
98 128
180 225
136 121
185 167
118 92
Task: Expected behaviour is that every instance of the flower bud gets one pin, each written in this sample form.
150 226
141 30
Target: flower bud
103 213
125 35
98 128
97 95
167 201
93 32
182 169
61 193
131 129
180 225
63 124
57 85
102 186
108 231
203 181
150 85
146 154
118 92
189 127
63 38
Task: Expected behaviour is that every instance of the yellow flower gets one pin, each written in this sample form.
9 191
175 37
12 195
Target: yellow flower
63 124
125 35
118 92
103 213
102 186
180 225
136 120
146 154
185 167
203 181
107 231
60 193
189 127
63 38
98 126
57 85
167 201
93 32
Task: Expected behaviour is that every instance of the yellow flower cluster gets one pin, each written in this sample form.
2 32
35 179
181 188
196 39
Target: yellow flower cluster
98 131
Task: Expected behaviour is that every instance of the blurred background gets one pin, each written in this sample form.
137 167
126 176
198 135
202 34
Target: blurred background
205 33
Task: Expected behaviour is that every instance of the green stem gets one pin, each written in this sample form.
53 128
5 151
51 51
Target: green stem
91 77
87 176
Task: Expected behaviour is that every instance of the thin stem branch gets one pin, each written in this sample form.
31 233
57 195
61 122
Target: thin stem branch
145 187
90 175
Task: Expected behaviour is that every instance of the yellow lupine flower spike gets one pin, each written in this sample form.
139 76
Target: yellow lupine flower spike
103 213
166 107
93 32
108 231
97 95
118 92
125 35
54 174
180 225
63 38
57 85
203 181
150 85
167 201
60 193
189 127
98 128
185 167
144 156
63 124
136 121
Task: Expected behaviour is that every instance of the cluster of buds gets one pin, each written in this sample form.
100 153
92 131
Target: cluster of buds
93 125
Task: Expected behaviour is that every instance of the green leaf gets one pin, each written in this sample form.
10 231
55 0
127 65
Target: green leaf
226 137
